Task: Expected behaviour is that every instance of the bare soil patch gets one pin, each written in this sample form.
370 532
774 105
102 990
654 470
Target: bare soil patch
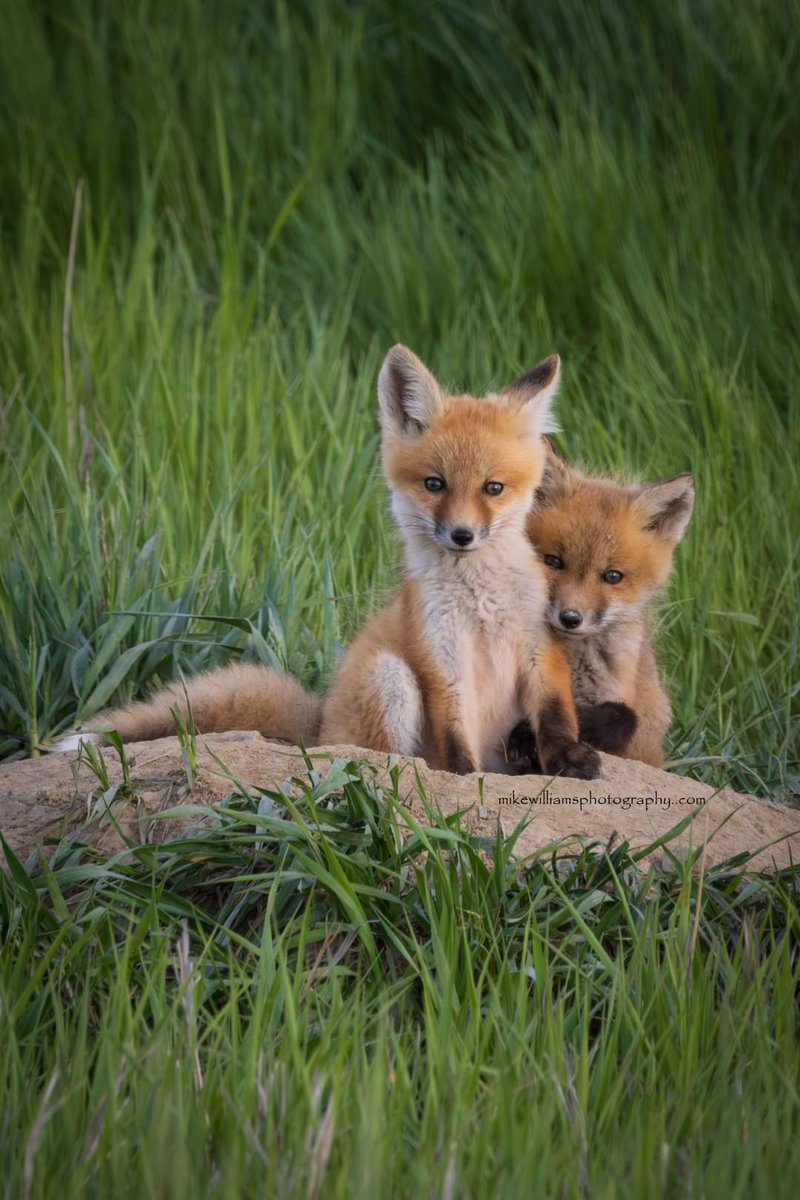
45 797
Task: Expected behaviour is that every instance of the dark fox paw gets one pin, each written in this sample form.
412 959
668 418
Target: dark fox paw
458 760
520 750
575 759
609 726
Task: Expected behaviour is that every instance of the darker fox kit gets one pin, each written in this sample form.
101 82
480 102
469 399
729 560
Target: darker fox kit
607 548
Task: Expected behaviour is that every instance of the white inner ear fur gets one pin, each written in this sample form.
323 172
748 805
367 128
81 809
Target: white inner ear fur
409 396
539 412
666 507
535 402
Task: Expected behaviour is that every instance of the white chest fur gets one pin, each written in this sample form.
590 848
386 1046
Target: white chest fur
604 666
482 614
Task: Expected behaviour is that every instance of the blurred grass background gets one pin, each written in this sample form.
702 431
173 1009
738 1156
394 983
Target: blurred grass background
273 194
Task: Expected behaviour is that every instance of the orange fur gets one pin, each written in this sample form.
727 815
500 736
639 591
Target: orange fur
239 696
463 647
592 526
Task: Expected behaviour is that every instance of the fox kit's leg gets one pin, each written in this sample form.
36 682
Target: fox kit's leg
376 703
634 726
609 726
451 728
393 692
449 670
653 713
380 706
547 698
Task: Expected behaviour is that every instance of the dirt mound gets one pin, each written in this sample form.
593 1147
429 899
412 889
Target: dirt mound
44 797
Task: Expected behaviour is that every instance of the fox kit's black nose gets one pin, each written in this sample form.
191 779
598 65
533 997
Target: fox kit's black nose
463 537
570 618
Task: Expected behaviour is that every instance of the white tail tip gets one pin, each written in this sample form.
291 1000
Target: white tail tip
72 743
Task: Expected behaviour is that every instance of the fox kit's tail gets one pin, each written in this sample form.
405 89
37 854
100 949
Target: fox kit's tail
240 696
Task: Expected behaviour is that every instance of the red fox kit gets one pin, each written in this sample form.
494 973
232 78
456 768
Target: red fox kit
463 651
464 644
608 549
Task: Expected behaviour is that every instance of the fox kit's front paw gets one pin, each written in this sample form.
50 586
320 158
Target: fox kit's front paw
609 726
575 759
520 751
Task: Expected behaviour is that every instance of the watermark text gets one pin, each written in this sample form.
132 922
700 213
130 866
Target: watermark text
604 800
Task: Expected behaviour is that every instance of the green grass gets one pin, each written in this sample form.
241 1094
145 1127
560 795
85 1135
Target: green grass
272 195
290 1002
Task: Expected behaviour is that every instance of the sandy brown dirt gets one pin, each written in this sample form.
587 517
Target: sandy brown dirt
41 798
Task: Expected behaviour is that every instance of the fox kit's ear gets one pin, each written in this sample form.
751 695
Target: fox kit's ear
534 393
666 507
408 395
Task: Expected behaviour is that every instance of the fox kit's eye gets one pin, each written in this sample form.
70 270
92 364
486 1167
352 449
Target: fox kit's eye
552 560
493 487
612 577
434 483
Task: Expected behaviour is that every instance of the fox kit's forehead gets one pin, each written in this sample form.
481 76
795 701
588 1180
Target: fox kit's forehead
469 441
584 515
594 525
489 415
